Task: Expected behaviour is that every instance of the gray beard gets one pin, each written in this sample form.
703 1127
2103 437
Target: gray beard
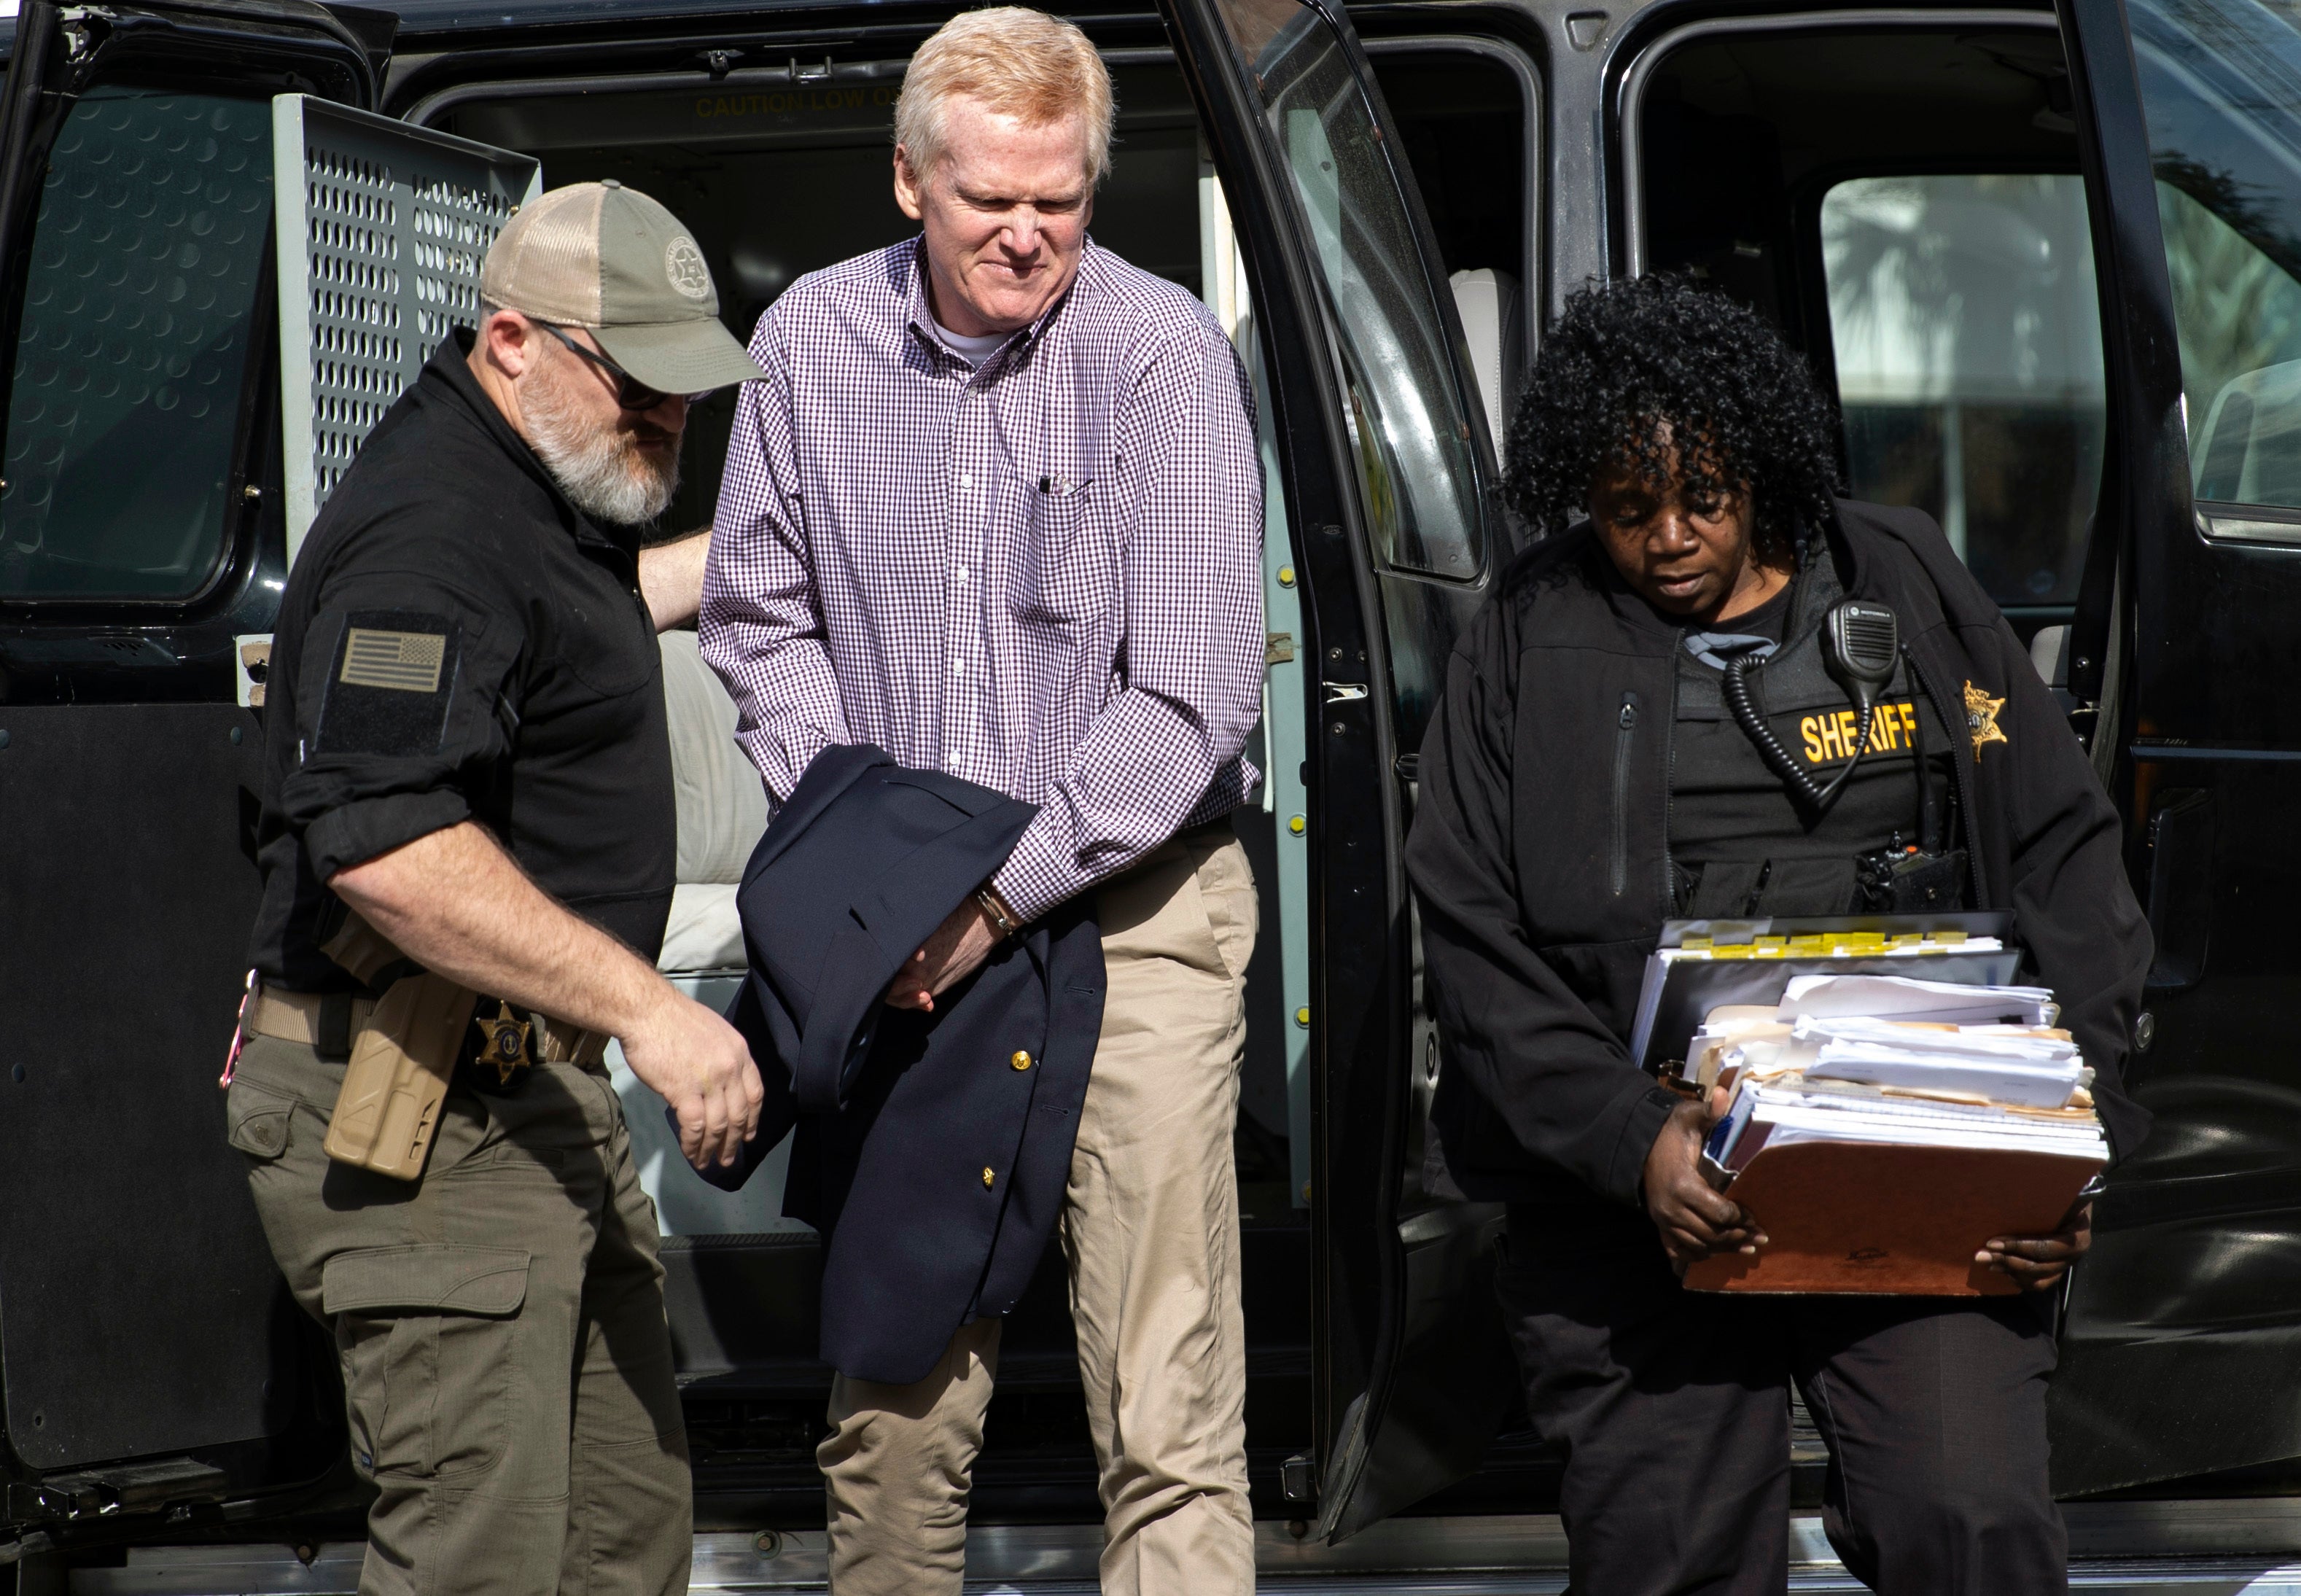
600 469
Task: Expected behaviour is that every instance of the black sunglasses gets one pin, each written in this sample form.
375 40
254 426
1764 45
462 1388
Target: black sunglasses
630 393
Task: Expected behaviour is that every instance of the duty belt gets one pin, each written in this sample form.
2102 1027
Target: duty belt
328 1021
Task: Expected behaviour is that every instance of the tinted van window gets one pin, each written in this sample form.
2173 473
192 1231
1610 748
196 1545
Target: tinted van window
2221 82
1967 334
138 307
1407 416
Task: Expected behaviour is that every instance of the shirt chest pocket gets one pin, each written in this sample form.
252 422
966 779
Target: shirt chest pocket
1062 557
601 637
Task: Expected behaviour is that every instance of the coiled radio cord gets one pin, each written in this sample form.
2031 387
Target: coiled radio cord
1820 800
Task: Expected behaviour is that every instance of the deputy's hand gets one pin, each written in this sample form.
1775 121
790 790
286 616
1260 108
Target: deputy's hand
698 1064
1693 1220
2037 1262
955 951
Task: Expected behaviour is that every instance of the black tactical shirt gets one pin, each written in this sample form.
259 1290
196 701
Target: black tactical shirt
457 641
1740 844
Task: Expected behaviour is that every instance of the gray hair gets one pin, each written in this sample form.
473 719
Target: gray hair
1022 62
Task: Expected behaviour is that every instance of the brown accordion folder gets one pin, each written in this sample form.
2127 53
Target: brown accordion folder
1881 1218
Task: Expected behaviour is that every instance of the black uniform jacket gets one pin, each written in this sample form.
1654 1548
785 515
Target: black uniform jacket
459 642
932 1149
1533 784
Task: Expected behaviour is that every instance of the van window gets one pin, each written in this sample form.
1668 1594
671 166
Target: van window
1904 203
1967 337
1408 424
124 409
2220 80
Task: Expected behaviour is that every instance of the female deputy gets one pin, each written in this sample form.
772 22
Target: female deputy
1586 778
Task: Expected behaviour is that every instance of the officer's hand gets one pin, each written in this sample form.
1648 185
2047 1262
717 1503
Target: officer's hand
698 1064
1693 1220
2037 1262
955 951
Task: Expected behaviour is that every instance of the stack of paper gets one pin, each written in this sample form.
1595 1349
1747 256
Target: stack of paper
1701 967
1902 998
1881 1129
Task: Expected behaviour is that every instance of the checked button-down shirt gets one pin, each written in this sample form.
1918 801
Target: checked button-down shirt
1043 574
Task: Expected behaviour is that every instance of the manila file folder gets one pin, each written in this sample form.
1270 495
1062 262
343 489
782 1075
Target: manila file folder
1878 1219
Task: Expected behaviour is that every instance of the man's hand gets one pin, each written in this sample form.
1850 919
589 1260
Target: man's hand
698 1064
2037 1262
455 902
955 951
1694 1221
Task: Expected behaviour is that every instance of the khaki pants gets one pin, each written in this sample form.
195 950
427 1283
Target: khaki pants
508 1370
1150 1232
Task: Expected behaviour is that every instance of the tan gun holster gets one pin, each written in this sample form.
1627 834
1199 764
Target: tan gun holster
402 1048
402 1059
403 1055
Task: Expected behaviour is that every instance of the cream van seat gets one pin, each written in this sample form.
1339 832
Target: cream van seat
722 812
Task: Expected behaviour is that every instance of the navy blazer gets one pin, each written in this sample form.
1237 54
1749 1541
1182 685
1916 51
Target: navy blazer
932 1149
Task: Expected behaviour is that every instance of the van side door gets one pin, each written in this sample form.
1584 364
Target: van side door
152 1365
1387 468
2187 1311
148 1354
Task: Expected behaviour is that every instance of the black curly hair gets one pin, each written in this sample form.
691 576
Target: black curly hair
1635 363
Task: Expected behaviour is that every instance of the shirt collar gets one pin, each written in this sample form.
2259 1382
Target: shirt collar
922 319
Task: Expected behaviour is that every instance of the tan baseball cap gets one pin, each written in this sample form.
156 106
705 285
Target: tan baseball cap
610 260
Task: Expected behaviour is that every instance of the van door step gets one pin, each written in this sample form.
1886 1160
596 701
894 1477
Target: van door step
2243 1548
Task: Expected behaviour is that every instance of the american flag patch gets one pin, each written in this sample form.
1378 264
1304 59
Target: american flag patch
405 661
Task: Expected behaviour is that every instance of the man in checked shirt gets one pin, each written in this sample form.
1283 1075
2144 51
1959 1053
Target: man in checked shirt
997 508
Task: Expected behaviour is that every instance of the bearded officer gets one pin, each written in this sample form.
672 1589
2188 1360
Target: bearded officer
468 774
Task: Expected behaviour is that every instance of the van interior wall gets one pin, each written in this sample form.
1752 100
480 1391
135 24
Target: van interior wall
1912 196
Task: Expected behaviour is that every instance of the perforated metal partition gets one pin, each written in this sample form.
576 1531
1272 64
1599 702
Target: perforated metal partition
381 229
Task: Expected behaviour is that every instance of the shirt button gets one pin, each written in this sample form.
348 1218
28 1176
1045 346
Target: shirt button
960 574
959 667
966 481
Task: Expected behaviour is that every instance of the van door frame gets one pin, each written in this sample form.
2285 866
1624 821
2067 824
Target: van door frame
1357 878
1363 1023
1643 50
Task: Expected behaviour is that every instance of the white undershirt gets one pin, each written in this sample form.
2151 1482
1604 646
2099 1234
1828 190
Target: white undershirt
974 350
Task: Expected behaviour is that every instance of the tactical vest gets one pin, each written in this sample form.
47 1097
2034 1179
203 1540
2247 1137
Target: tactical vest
1739 845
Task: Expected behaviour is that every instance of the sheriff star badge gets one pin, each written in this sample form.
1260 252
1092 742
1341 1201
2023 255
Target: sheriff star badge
1981 718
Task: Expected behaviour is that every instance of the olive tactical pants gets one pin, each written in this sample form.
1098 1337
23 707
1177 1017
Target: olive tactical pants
508 1370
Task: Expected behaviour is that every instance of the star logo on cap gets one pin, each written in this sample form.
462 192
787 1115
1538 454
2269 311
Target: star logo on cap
683 264
1981 719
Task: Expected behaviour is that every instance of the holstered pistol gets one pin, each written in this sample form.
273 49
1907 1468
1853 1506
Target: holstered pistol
401 1060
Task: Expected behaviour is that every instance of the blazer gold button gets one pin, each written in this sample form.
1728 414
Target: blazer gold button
1021 1061
987 1177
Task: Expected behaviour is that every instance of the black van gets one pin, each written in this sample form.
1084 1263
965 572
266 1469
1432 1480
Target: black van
2048 257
